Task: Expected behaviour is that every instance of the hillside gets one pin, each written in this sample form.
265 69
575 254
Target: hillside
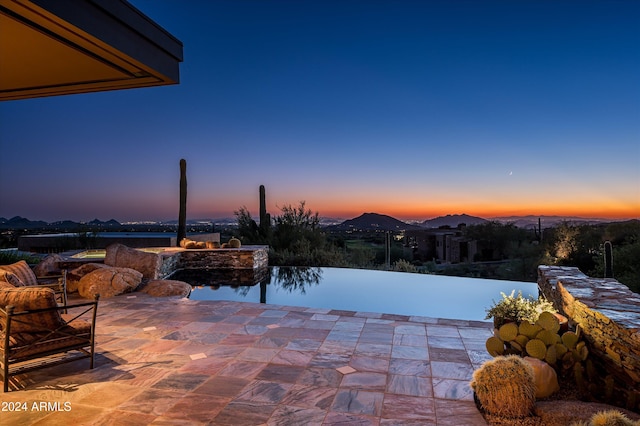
453 220
374 222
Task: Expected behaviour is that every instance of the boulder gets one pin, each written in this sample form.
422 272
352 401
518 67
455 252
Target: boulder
109 282
75 275
48 266
121 256
163 288
545 377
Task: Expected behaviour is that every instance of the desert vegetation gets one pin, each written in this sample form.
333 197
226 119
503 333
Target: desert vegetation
504 250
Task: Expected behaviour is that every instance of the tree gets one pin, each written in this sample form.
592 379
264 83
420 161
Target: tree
566 242
295 224
295 239
498 241
247 227
574 245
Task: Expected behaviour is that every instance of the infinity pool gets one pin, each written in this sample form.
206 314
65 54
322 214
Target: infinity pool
363 290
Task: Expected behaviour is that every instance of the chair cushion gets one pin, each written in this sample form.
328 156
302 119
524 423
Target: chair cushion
25 299
21 270
9 280
25 345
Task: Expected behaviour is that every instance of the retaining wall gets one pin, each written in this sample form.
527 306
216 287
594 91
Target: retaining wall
608 314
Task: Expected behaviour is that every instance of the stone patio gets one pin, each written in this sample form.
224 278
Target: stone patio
180 361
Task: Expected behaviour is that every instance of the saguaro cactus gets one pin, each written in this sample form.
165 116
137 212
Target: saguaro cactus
182 216
608 259
265 218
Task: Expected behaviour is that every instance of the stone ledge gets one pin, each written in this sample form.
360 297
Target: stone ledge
246 257
608 314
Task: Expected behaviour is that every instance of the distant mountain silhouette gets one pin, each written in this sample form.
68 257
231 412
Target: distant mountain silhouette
366 221
374 222
64 224
198 221
97 222
453 220
19 222
549 221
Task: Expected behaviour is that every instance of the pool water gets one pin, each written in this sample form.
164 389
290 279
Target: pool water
363 290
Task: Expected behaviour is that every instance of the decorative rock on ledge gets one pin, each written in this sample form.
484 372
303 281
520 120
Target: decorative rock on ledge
608 314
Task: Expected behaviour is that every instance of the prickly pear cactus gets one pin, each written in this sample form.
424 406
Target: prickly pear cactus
508 331
495 346
529 330
541 340
536 348
548 321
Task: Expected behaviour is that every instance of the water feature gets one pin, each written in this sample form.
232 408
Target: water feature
360 290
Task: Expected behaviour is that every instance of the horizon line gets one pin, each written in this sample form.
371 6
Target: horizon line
412 219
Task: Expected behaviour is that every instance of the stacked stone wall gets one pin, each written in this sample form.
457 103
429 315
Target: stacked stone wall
608 314
246 257
169 264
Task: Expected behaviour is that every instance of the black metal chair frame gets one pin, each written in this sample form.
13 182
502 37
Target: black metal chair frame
81 346
59 287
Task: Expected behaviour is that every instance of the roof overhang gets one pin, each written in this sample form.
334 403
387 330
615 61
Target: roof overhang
60 47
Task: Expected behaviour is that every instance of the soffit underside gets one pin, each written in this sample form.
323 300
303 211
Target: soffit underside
43 55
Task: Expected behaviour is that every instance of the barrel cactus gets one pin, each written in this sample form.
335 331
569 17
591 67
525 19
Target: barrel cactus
234 243
505 386
608 418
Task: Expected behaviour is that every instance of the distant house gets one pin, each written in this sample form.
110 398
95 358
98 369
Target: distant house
443 245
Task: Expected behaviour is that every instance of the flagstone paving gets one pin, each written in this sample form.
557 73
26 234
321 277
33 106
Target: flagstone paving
180 361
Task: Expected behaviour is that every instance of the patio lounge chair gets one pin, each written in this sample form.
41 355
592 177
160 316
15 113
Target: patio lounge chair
20 274
35 333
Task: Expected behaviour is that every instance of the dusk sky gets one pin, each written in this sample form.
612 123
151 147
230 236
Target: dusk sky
413 109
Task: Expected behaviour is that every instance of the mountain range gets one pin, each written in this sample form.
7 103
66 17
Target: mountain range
382 222
19 222
366 221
